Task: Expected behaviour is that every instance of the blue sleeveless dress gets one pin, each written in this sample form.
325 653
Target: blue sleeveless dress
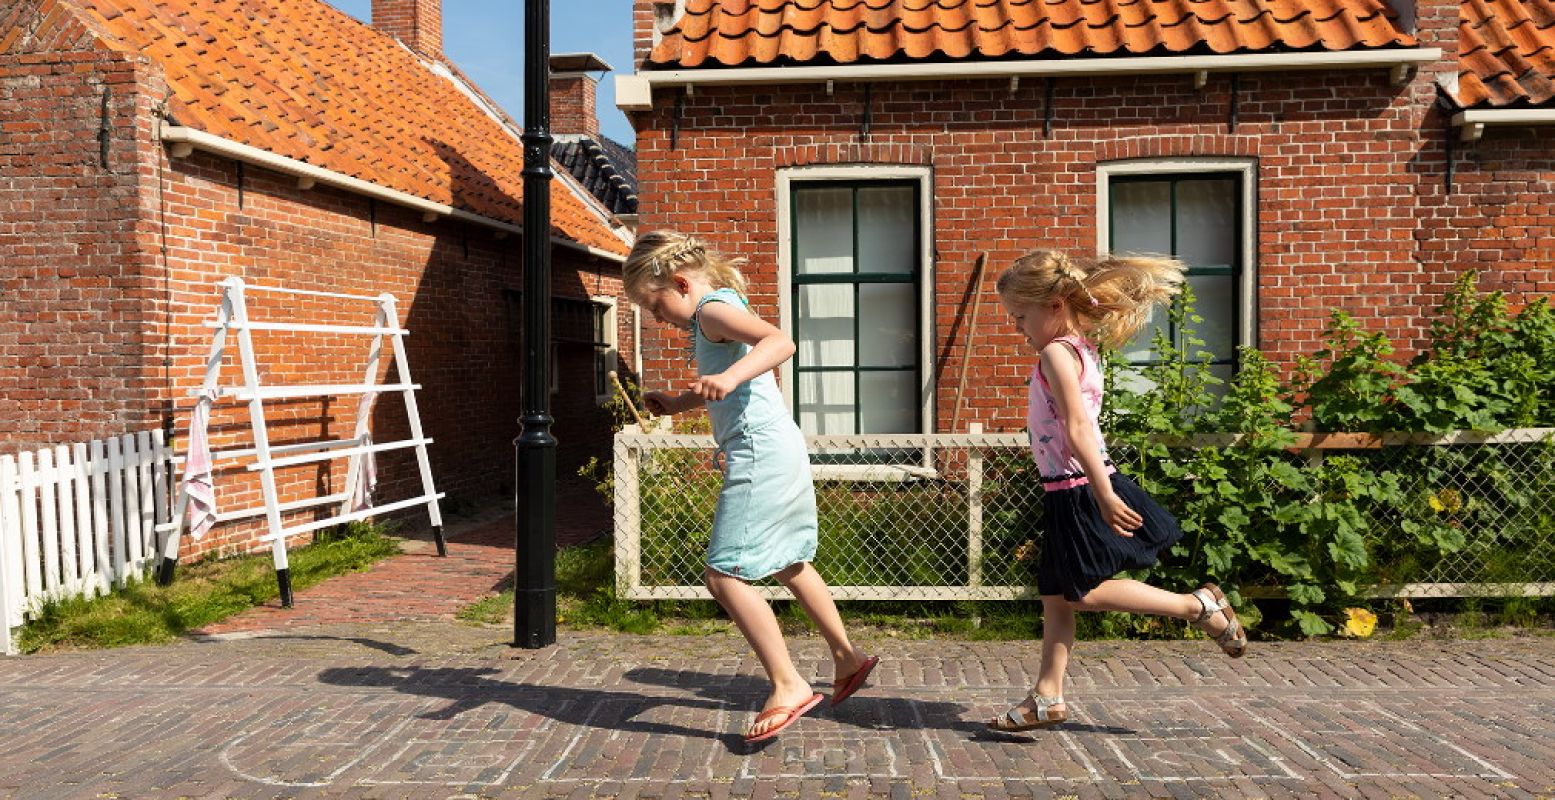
765 520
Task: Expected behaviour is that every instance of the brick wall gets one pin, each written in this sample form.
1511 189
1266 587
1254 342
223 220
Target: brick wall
1349 213
109 273
1499 218
74 132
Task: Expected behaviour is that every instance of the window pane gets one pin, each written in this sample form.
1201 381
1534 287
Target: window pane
886 218
1216 303
1142 217
824 323
826 403
1224 373
1140 348
1131 380
823 231
888 326
1206 222
891 404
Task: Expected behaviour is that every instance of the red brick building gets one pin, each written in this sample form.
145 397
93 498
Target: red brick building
1300 155
149 148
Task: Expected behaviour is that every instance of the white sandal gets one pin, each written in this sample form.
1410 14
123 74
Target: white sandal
1232 640
1016 720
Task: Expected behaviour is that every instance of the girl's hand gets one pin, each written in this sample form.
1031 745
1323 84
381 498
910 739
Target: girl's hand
714 387
1116 513
659 403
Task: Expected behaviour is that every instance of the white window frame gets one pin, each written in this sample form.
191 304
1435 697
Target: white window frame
612 338
1247 327
786 177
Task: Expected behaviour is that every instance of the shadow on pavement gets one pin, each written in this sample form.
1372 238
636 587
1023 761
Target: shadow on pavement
466 689
387 647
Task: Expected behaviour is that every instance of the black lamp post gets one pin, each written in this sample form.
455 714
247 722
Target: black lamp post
534 574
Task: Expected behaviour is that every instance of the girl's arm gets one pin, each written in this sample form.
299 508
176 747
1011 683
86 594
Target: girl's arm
769 348
660 403
1061 366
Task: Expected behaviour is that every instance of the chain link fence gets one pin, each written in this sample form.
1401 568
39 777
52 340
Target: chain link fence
1498 489
959 516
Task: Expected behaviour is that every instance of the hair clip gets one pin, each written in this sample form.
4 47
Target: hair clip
657 267
1095 302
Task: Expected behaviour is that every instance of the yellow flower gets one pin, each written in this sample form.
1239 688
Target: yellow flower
1446 500
1359 622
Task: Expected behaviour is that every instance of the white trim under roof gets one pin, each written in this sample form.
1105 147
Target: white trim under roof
635 92
1473 122
184 140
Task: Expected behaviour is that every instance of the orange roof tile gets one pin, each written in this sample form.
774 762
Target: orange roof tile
1506 52
772 32
300 79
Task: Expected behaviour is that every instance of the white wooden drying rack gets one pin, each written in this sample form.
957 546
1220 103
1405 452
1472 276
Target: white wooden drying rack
232 315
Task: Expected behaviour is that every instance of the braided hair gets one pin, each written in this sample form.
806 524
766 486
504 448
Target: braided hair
659 255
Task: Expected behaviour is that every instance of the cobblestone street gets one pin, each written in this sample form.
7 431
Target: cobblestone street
448 710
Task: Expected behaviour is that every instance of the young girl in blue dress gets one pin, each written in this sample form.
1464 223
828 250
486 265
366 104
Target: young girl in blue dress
1098 522
765 522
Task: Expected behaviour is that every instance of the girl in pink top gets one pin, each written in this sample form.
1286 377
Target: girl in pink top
1098 522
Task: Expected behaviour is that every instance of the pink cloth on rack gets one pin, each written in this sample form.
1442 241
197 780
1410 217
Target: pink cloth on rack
199 483
367 465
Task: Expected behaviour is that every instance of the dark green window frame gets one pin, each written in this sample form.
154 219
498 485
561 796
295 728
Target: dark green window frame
858 280
1235 270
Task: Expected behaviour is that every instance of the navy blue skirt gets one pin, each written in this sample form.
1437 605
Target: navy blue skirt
1080 551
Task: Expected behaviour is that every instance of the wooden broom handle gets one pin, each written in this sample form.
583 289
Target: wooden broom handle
966 362
616 379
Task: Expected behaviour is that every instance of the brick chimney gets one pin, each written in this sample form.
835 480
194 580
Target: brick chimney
651 19
574 85
1434 23
416 23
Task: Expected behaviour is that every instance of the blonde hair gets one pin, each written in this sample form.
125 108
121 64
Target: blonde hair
1110 296
658 256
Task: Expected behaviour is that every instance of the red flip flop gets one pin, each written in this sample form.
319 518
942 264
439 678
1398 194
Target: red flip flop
793 712
843 689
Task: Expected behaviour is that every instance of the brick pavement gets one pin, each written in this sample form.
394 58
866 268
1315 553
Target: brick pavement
406 709
368 689
420 585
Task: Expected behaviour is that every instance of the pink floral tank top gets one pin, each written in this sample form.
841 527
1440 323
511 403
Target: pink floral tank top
1050 446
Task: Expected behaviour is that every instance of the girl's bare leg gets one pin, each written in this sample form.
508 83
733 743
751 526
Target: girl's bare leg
814 596
1141 598
754 616
1057 641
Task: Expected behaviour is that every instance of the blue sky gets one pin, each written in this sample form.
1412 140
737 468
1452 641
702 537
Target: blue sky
486 39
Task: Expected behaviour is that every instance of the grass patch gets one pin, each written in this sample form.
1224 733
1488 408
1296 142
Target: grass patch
489 610
202 593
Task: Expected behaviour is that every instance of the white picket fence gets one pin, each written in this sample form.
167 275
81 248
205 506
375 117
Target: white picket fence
78 519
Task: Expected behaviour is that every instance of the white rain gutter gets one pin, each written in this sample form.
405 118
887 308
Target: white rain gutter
184 140
635 92
1473 122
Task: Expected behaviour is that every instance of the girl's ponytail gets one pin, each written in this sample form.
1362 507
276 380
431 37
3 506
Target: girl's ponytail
1111 297
1121 290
